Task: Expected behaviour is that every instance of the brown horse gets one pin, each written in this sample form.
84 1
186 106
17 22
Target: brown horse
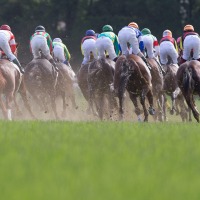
10 80
131 74
100 78
172 89
188 76
64 87
157 87
40 80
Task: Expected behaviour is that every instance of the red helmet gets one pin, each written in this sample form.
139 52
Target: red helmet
5 27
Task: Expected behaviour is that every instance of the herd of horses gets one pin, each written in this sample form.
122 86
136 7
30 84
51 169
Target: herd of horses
103 82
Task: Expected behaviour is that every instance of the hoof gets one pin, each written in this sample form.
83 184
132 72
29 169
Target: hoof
151 111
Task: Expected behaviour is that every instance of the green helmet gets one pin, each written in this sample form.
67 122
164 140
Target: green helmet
146 31
107 28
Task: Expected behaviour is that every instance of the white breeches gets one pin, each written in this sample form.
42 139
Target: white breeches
40 43
168 49
4 45
127 35
148 45
191 42
105 44
88 46
58 53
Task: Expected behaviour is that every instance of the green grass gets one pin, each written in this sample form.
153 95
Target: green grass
99 160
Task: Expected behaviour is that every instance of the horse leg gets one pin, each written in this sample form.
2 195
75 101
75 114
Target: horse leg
137 109
18 112
192 106
149 95
164 107
160 102
3 107
9 98
101 105
142 101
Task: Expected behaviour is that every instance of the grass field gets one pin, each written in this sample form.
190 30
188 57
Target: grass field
99 160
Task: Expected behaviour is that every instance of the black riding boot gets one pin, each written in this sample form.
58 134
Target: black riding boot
115 59
145 60
16 61
54 64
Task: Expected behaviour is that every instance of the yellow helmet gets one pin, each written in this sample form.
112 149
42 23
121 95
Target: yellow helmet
167 33
134 25
188 27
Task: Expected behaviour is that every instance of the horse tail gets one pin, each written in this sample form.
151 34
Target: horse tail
2 82
123 79
187 80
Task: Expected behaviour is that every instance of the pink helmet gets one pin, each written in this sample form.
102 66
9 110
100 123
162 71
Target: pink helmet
5 27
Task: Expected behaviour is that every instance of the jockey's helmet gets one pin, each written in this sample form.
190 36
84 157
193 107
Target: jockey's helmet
134 25
90 33
146 31
40 29
167 33
107 28
188 27
57 40
5 27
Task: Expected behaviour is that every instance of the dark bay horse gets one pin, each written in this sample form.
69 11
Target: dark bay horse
188 76
40 80
64 86
100 79
172 89
131 74
157 87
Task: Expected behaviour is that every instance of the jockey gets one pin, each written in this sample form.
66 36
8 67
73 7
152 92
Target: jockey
108 42
8 45
131 35
88 46
41 41
151 45
190 42
60 51
168 48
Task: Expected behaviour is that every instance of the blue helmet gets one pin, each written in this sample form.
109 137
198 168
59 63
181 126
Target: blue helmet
90 33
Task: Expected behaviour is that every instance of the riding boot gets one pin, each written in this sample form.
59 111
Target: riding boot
145 60
160 66
54 64
182 60
115 59
198 59
16 61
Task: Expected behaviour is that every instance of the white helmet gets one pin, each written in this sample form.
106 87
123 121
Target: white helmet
57 40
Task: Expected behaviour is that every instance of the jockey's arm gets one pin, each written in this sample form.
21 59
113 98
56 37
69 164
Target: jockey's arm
12 44
156 47
67 54
50 43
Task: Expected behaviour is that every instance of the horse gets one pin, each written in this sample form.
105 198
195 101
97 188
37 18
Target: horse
100 79
188 78
172 89
40 80
157 87
131 74
82 79
64 86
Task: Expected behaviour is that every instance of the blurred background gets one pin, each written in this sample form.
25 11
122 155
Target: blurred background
69 19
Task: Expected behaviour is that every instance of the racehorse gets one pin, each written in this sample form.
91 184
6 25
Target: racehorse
9 84
157 87
171 88
188 76
100 78
40 80
82 78
64 86
131 74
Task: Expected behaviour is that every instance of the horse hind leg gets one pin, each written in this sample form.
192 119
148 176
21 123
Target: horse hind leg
9 99
3 107
149 95
142 101
137 109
